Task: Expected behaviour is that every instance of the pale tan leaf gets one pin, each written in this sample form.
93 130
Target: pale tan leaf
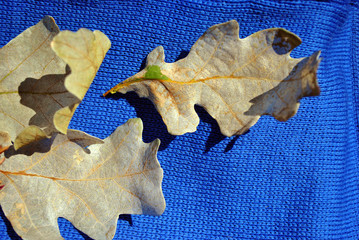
121 176
235 80
84 52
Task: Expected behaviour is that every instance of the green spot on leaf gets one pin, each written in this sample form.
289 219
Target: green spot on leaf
154 72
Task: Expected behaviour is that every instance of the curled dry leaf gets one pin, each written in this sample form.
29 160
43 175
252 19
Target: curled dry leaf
235 80
121 176
36 86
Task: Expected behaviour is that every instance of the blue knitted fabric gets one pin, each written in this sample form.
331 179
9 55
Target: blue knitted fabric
293 180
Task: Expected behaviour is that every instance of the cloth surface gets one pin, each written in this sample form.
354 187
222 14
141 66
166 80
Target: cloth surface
293 180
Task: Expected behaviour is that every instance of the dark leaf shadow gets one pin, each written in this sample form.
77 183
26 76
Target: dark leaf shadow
153 125
85 237
143 64
44 145
46 96
127 218
10 230
66 225
232 142
182 55
122 217
215 136
41 146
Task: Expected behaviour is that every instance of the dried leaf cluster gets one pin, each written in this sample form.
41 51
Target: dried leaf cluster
49 171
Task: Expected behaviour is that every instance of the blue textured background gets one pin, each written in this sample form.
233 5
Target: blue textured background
292 180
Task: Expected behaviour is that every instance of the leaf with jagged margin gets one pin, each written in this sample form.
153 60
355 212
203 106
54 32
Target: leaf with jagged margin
235 80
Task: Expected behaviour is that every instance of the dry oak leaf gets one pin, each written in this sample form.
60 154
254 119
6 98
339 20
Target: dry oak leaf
121 176
235 80
37 89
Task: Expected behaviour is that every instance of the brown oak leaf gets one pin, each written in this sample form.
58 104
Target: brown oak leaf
235 80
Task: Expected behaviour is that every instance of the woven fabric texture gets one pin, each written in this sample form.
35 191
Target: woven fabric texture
293 180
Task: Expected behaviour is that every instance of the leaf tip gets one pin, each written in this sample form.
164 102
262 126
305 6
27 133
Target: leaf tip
137 123
105 41
156 56
157 142
162 208
50 24
234 24
293 38
154 145
231 23
282 40
231 26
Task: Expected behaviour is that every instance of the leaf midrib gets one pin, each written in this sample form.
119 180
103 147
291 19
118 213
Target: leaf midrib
23 173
